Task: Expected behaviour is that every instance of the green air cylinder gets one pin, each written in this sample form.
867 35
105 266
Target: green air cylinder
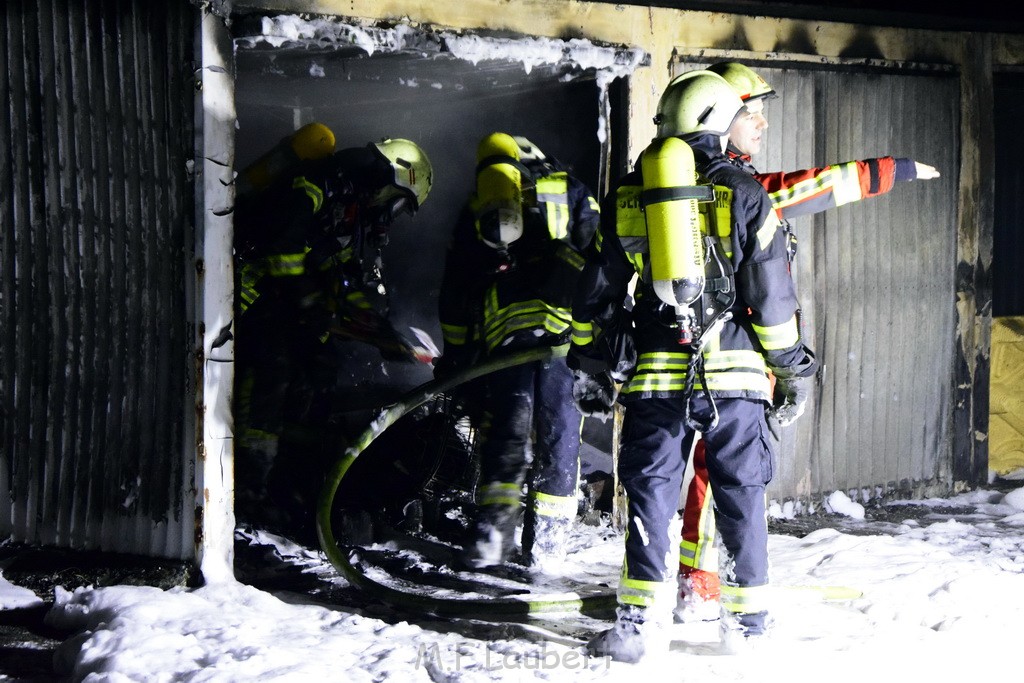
312 141
673 223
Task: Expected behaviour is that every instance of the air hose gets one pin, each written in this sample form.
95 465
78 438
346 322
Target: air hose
522 605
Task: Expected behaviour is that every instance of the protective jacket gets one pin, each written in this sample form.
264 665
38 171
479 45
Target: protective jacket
302 238
763 331
813 190
492 301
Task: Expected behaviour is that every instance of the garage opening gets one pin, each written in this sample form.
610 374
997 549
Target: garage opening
445 92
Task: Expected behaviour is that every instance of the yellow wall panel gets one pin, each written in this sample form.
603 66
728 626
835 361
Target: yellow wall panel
1006 403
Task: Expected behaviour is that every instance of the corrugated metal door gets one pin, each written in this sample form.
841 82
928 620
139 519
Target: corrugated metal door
96 206
875 280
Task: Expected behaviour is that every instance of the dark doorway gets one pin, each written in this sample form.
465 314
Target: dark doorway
1008 239
445 105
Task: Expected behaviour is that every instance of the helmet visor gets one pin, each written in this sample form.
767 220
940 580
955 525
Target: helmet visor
390 203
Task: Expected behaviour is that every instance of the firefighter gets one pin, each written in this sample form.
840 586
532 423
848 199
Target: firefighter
694 372
510 273
793 194
308 240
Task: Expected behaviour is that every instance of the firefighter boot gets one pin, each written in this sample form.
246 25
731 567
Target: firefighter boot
491 538
634 636
742 632
545 539
698 596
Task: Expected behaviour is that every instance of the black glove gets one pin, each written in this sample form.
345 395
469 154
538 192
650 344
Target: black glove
594 395
793 386
790 399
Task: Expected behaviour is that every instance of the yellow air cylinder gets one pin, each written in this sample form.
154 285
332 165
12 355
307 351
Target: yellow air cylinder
499 191
312 141
673 223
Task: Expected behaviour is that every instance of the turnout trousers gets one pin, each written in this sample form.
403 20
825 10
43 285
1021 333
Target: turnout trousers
655 441
523 401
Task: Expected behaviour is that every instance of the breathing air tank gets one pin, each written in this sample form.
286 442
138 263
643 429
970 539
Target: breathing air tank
312 141
499 191
673 227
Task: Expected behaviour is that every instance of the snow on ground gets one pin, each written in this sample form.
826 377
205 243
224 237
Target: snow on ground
16 597
943 600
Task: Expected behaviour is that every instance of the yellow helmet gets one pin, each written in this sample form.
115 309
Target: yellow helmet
412 168
499 190
697 102
747 83
497 144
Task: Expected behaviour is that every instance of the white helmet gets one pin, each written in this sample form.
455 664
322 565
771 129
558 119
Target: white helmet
528 152
697 102
413 172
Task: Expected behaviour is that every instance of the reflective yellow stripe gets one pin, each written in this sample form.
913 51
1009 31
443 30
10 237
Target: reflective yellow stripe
847 185
766 233
696 555
725 381
745 599
654 362
286 265
248 275
637 592
359 300
740 370
247 296
533 314
646 383
782 336
335 260
534 309
547 505
534 322
582 333
788 196
737 381
553 194
593 204
499 493
688 554
718 360
454 334
570 256
311 190
728 360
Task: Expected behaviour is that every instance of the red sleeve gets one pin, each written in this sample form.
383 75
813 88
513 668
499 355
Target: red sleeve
813 190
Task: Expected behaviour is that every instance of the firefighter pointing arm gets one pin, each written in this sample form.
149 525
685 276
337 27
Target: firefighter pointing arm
793 194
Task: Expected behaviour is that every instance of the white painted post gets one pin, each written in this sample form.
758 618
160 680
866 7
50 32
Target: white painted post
213 347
